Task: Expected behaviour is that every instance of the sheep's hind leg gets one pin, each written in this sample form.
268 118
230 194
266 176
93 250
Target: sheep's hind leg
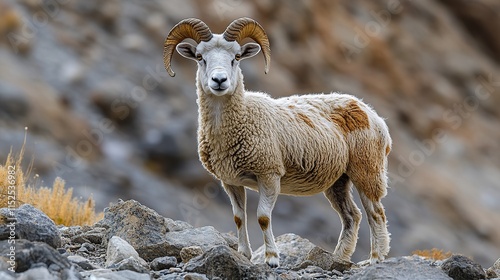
371 191
238 199
269 188
341 199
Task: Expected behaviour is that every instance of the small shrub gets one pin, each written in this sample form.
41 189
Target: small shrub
56 202
434 254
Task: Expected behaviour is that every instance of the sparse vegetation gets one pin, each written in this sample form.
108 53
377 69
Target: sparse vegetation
57 202
433 253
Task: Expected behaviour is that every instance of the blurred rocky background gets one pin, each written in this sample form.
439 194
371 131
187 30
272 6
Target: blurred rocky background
87 79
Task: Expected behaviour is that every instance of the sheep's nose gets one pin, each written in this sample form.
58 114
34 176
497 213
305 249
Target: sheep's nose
219 78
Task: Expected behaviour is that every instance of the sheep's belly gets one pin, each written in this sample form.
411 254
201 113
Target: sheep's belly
292 183
307 184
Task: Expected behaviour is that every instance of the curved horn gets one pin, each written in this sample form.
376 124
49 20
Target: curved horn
243 28
189 28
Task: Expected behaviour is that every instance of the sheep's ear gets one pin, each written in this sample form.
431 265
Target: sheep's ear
187 50
250 49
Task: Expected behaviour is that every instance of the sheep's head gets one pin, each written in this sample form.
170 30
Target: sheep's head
218 55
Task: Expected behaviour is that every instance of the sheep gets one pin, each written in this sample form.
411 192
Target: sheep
298 145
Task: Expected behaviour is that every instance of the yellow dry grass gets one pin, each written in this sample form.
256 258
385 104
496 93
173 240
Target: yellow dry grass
434 254
56 202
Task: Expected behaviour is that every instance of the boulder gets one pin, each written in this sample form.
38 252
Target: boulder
140 226
30 224
122 256
82 262
326 260
28 253
108 274
224 262
293 250
401 268
37 273
460 267
163 263
204 237
190 252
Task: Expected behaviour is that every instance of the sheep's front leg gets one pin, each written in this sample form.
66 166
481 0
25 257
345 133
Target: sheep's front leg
269 188
238 199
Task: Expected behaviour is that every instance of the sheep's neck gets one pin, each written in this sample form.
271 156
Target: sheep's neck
217 111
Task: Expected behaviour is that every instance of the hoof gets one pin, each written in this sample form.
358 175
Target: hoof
273 262
246 253
272 259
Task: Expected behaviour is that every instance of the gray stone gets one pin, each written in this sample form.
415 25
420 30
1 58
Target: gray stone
195 276
107 274
204 237
460 267
36 274
82 262
496 265
293 250
31 224
94 235
173 225
494 271
326 260
190 252
224 262
30 253
131 264
402 268
4 275
163 263
118 250
140 226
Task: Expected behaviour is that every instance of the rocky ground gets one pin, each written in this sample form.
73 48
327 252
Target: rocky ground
134 242
87 79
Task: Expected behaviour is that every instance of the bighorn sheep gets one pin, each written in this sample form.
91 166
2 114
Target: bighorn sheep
299 145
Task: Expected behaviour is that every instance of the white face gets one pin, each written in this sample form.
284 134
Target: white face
218 62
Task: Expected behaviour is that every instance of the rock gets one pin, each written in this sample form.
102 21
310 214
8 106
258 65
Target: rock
107 274
163 263
131 264
460 267
29 253
204 237
293 250
190 252
494 271
401 268
4 275
82 262
94 235
177 225
140 226
37 273
119 250
32 224
224 262
326 260
195 276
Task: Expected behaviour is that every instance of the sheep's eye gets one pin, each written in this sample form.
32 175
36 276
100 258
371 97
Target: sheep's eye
199 57
237 57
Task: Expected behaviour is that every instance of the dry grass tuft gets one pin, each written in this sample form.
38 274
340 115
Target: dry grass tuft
57 202
434 254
